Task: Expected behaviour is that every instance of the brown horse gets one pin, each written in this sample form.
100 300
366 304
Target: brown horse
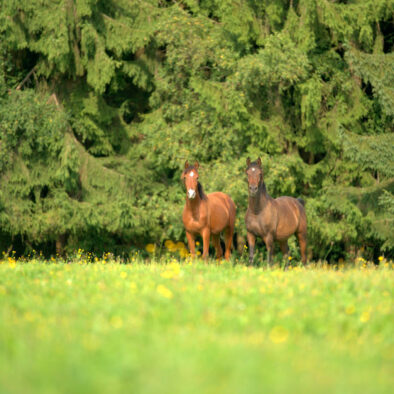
272 219
206 214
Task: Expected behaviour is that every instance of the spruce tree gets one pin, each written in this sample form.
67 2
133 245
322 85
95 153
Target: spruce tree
123 92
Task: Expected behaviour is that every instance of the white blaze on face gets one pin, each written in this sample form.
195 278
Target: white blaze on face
253 169
191 193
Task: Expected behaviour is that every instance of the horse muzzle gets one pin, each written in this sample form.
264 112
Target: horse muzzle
191 194
253 190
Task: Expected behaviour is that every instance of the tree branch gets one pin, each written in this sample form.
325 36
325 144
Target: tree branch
26 78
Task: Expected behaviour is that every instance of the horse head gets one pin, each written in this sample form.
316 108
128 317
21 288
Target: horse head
190 179
255 175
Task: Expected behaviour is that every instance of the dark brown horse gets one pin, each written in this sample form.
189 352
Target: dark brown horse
206 214
272 219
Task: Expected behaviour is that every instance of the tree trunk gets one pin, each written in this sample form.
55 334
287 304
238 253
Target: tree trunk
61 244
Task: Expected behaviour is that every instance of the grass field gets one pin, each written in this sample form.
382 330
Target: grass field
194 328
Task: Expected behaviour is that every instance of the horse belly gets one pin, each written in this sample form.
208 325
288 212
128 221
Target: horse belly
287 219
219 212
283 233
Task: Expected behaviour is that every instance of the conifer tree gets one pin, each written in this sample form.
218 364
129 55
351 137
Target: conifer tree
102 102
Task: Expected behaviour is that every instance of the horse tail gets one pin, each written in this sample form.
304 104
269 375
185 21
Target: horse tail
301 201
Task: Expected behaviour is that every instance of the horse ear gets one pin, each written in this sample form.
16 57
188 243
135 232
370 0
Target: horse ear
186 164
248 161
196 165
259 162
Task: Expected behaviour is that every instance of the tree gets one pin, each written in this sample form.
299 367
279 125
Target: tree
137 87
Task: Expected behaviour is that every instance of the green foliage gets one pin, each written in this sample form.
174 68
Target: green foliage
377 70
116 95
32 140
52 187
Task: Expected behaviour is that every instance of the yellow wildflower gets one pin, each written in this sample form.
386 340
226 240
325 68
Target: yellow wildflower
168 274
278 334
183 252
365 317
180 245
170 245
164 292
116 322
172 271
150 248
350 309
29 316
11 262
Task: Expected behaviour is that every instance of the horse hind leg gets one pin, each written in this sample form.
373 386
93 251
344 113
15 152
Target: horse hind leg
228 239
284 247
302 241
302 235
229 233
216 244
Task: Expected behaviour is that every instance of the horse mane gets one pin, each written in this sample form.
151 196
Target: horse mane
203 196
263 188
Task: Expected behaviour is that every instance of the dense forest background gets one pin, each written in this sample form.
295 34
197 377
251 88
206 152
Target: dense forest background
102 101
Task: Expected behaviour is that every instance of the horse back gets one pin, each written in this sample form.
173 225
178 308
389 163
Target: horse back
221 211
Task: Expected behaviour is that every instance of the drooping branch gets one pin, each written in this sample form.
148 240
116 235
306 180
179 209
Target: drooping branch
26 78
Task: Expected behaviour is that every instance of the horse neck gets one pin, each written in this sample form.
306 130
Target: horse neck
259 201
194 205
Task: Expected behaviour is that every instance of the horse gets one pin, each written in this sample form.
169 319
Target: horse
206 214
272 219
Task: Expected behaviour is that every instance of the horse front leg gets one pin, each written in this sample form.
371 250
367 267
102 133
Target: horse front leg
269 243
251 242
205 242
191 242
216 244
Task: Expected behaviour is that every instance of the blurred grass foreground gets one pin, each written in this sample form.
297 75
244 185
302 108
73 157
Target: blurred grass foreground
194 328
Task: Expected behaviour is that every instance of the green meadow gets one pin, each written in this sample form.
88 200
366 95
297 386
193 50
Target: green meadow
194 327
